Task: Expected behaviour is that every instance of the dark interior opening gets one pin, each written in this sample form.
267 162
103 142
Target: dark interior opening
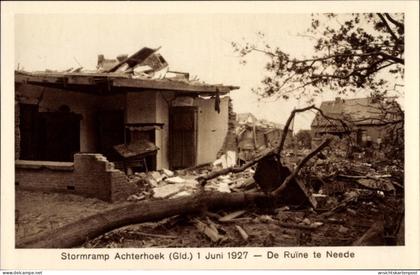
110 132
52 136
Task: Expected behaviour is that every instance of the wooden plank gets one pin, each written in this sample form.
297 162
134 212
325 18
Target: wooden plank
307 192
143 53
232 216
169 85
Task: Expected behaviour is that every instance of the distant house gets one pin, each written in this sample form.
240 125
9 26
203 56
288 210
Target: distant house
366 120
254 135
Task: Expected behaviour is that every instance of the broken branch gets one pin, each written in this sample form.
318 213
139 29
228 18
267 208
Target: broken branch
286 127
364 177
287 181
203 179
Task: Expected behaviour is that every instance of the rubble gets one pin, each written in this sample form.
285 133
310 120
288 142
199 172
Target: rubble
211 232
232 216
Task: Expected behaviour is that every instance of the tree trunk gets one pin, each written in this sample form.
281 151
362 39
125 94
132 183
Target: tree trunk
75 234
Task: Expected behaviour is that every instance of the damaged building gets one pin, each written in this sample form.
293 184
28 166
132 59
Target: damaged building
365 120
133 110
255 135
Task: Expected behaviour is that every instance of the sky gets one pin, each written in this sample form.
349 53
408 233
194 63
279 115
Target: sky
196 43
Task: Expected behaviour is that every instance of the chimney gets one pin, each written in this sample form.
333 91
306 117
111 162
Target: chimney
338 99
101 59
122 57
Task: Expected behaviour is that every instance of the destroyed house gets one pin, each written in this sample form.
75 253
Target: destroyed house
133 110
254 135
366 120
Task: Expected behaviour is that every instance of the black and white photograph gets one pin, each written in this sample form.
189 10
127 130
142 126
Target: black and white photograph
155 130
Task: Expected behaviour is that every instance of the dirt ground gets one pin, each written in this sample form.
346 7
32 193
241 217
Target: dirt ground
38 212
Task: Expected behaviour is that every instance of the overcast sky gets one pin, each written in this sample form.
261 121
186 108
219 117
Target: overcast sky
194 43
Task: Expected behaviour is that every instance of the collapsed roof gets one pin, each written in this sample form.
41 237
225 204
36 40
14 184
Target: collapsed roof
145 69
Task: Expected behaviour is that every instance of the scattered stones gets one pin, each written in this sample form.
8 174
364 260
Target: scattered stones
175 180
343 229
167 172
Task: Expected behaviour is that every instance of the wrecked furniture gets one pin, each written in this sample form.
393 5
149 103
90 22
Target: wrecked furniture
134 155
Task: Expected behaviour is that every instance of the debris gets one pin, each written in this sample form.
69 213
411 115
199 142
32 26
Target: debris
351 211
138 233
135 197
241 231
265 219
136 58
384 185
168 190
373 236
226 160
175 180
270 174
152 182
212 234
156 176
375 177
212 224
397 184
167 172
212 215
232 216
343 229
182 194
223 187
307 192
284 208
342 205
306 221
299 226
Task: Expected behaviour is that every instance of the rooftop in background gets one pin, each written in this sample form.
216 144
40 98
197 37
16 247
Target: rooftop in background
359 111
250 119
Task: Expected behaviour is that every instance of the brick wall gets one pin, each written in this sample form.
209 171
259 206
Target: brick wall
90 175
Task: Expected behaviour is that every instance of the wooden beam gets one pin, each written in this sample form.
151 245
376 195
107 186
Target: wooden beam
118 81
169 85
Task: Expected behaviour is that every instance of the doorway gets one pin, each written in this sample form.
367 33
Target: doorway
183 137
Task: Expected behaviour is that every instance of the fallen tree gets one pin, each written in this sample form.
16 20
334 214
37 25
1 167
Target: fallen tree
75 234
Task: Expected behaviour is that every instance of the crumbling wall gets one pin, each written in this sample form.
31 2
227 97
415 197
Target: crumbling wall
90 175
212 128
230 143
